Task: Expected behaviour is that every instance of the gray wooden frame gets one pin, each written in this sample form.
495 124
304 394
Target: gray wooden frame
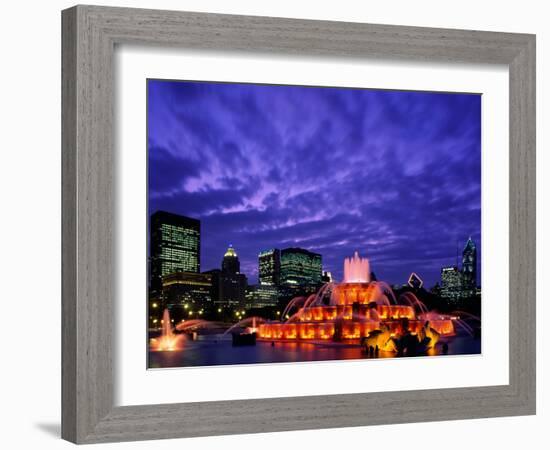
89 36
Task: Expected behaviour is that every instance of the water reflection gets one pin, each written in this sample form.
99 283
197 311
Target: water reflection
218 350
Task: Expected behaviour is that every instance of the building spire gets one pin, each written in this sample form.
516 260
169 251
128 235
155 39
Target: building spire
230 251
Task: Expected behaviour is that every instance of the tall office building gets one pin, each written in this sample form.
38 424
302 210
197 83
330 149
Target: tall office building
230 261
174 246
414 281
461 284
469 267
232 282
451 283
300 267
269 267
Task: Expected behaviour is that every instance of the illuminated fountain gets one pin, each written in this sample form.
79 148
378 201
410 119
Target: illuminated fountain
250 325
356 269
168 341
361 309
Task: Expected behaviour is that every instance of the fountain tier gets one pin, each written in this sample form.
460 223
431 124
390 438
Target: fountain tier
357 308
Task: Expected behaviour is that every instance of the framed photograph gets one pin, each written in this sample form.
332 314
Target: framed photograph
321 224
237 171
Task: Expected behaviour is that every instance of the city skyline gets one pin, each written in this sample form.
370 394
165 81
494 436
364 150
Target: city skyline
270 167
261 254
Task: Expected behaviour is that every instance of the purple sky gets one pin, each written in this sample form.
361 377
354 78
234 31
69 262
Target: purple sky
395 175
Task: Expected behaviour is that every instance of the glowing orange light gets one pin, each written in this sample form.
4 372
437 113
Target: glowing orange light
359 310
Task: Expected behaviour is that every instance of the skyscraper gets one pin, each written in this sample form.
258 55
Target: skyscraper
414 281
174 246
300 267
469 267
269 267
461 284
232 282
230 261
451 283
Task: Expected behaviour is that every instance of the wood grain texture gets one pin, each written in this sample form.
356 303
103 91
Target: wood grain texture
89 36
68 225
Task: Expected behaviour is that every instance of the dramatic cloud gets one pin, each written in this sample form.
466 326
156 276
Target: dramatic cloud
394 175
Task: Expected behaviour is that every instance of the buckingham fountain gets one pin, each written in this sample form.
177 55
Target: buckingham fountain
362 309
341 316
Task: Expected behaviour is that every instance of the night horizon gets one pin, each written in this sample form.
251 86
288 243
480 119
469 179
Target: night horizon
394 175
